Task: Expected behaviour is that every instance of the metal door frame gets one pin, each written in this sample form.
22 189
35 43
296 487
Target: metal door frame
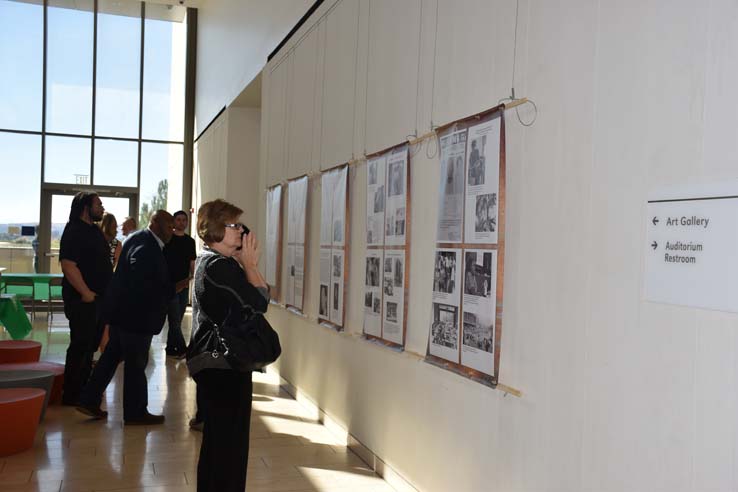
48 190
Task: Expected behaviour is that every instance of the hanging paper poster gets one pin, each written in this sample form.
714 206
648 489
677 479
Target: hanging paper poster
444 329
479 317
482 182
373 293
396 197
332 244
451 187
393 286
273 229
375 201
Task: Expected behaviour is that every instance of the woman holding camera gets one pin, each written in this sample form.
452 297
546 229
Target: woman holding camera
227 282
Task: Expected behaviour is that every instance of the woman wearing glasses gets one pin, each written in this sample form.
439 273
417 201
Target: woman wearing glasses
226 280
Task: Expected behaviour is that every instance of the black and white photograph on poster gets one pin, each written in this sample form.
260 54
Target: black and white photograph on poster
451 187
297 199
323 308
372 271
375 201
399 272
479 332
337 265
480 308
396 179
444 274
394 296
379 199
326 208
444 332
478 341
391 312
478 273
339 205
486 213
273 226
389 289
373 293
325 281
371 172
483 182
337 232
399 225
397 164
337 279
476 161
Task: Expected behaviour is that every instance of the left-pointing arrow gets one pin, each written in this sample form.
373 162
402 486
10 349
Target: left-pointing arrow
654 245
655 220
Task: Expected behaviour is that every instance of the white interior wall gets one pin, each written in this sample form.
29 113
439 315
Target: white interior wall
618 394
234 39
227 162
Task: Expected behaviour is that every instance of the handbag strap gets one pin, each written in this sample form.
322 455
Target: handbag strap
246 307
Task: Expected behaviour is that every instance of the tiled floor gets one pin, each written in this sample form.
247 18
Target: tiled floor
289 451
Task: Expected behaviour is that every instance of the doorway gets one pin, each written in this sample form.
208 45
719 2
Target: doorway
55 205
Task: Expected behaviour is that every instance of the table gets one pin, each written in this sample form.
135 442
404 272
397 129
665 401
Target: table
14 317
39 279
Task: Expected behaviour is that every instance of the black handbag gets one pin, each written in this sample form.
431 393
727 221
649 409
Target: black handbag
245 339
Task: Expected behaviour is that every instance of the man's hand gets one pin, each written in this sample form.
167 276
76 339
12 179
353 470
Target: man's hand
181 285
88 296
105 338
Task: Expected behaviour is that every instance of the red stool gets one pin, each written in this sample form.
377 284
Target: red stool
20 409
19 351
53 367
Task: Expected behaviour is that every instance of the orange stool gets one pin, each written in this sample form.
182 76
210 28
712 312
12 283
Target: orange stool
19 351
53 367
20 409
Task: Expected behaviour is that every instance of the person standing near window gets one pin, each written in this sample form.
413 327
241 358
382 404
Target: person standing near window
180 255
85 263
109 228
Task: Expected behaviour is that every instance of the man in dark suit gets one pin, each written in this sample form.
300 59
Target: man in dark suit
136 305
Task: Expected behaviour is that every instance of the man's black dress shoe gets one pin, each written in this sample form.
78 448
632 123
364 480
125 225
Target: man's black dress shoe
146 419
91 411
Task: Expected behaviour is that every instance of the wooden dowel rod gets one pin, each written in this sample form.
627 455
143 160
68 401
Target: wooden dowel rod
515 103
509 390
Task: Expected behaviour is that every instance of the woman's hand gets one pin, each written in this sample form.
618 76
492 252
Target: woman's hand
249 254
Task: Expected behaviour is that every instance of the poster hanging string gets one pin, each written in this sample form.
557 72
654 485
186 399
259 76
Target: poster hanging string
415 142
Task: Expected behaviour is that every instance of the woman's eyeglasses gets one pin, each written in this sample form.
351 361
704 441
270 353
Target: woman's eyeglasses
237 225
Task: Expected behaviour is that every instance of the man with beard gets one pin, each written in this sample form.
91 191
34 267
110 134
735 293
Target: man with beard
136 306
85 262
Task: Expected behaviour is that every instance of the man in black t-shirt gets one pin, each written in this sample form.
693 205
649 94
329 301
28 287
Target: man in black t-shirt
85 262
180 255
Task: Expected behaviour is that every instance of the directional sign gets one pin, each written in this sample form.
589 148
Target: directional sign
691 249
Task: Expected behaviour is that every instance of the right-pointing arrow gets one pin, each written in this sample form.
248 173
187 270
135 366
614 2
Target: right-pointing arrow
654 245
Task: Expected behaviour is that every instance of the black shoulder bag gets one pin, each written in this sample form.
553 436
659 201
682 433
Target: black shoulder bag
246 339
